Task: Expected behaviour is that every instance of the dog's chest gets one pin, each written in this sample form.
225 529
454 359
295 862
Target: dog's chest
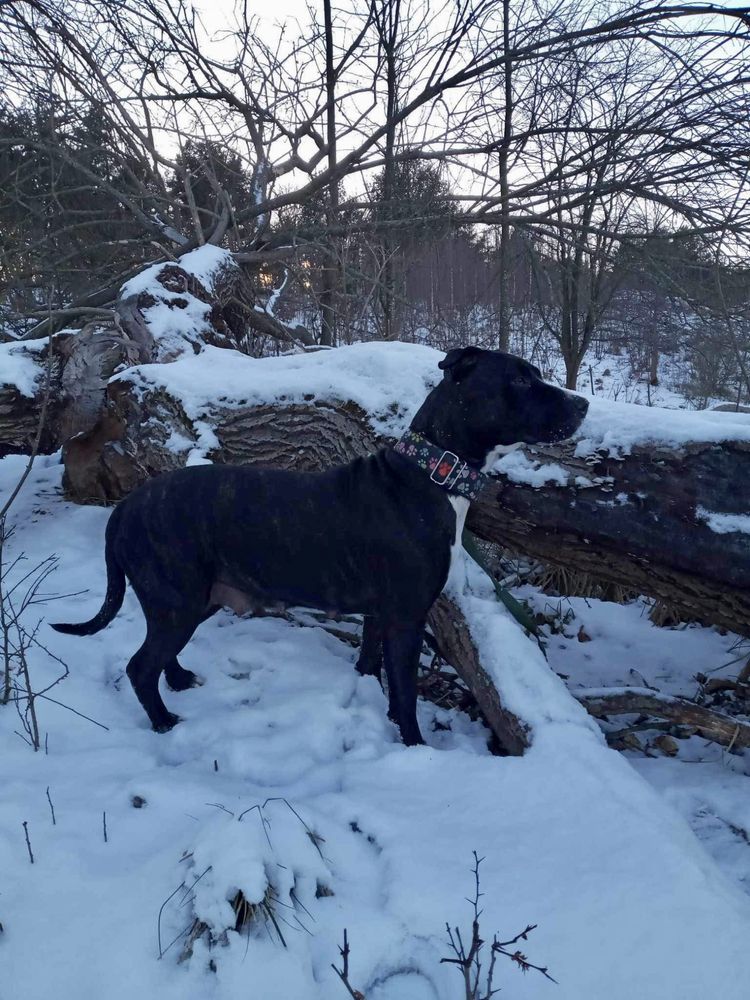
455 579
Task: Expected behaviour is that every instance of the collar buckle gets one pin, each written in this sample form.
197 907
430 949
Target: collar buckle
457 467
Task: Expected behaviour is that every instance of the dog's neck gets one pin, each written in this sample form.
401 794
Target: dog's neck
445 467
443 421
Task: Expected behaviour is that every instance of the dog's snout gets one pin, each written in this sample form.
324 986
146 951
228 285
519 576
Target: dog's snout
581 405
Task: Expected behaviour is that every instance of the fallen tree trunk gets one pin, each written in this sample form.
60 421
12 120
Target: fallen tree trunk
671 523
708 723
657 521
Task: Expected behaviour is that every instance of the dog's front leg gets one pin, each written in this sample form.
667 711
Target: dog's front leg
370 660
402 645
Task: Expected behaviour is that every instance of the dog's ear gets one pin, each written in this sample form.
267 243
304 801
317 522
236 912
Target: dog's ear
459 362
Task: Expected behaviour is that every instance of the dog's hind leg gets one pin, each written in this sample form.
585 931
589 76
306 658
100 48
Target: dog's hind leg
402 645
177 677
165 637
370 660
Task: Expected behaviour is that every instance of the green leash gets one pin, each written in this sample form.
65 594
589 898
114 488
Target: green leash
519 611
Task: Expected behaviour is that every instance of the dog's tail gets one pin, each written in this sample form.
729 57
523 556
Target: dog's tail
115 591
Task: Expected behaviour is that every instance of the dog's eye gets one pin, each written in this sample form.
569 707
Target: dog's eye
521 380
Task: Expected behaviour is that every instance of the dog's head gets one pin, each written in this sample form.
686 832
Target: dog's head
488 399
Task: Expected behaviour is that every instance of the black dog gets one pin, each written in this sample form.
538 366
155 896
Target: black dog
372 537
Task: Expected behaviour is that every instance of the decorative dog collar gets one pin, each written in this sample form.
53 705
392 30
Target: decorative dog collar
445 467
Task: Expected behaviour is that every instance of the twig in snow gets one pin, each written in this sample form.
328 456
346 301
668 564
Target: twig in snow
51 808
28 842
188 890
501 948
19 693
468 960
161 910
343 972
104 826
218 805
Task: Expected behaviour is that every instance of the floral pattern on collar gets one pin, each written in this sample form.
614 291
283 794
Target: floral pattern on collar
446 469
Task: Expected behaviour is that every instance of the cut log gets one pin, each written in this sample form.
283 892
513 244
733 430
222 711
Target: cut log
157 320
82 364
22 387
709 724
147 432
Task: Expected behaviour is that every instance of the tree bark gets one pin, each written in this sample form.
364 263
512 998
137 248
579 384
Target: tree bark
328 334
504 156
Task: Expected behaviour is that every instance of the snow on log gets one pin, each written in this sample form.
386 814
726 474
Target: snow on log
303 411
170 309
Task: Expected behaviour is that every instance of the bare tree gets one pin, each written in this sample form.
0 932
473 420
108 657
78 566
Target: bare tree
394 81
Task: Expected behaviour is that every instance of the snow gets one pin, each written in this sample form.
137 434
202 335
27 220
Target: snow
19 365
625 651
205 263
619 427
178 320
275 295
519 468
285 779
724 524
627 901
388 381
527 686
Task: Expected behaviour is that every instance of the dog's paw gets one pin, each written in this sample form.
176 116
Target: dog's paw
169 722
182 680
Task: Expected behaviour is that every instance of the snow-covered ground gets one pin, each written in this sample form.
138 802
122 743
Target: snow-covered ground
285 781
610 376
620 647
360 832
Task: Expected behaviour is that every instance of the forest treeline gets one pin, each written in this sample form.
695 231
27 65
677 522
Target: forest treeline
555 177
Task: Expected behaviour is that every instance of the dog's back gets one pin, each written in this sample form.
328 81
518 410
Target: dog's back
371 536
